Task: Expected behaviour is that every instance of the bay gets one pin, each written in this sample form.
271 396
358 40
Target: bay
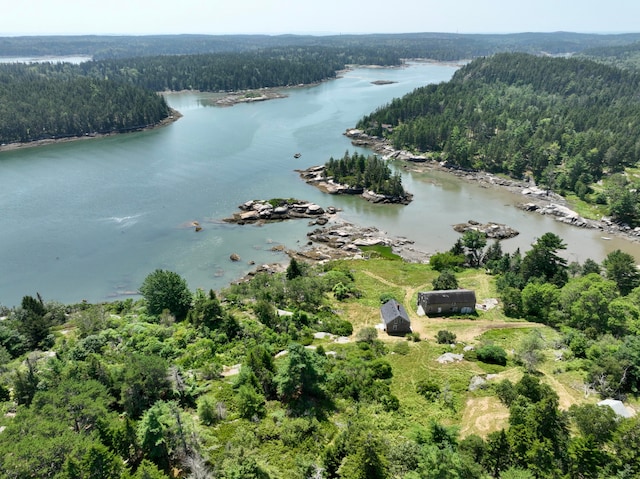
90 219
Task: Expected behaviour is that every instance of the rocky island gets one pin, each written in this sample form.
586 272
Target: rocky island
317 176
277 209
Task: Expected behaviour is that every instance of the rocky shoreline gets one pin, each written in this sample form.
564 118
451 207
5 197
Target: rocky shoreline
315 176
263 211
249 96
534 199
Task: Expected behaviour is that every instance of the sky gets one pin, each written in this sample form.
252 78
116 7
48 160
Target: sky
319 17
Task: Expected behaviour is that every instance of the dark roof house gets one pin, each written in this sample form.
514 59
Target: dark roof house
448 301
395 318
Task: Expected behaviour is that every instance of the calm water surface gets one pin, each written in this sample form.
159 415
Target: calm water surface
90 219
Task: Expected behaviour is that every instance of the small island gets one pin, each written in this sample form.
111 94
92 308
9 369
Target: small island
279 209
249 96
356 174
383 82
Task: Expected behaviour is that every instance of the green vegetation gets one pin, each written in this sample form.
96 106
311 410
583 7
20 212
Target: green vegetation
221 384
361 172
70 105
237 383
568 123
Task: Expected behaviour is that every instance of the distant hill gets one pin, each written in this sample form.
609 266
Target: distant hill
439 46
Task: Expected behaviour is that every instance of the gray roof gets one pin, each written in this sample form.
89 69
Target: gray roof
618 407
391 310
447 296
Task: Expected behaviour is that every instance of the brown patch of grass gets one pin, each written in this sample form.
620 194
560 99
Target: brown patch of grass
483 415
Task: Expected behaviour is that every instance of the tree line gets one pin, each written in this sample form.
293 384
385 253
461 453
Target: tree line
436 46
36 107
568 123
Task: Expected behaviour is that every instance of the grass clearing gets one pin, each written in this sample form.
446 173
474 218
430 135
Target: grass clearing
478 412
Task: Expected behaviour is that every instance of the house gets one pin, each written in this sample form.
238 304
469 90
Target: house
395 319
448 301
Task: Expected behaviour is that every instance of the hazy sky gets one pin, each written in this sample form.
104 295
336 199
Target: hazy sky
35 17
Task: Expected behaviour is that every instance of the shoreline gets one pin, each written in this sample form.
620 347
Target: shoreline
174 116
227 99
534 199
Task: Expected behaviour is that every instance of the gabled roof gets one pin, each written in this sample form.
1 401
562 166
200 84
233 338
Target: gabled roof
391 310
447 296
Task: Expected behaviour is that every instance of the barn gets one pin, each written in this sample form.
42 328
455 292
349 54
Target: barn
448 301
395 319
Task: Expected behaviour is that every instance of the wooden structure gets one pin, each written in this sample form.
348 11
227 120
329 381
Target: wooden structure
448 301
395 319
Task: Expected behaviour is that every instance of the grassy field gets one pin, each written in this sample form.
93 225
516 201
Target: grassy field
478 412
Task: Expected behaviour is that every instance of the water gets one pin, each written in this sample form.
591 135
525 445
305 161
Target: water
76 59
90 219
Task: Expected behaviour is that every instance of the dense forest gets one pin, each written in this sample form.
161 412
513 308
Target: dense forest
250 383
36 107
568 123
436 46
53 100
370 172
622 56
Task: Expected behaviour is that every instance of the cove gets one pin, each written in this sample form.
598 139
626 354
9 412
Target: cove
90 219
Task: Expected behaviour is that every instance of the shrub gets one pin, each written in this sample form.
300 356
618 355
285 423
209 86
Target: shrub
492 354
446 280
429 389
384 297
367 334
413 336
445 337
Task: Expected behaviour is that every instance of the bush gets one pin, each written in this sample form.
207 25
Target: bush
429 389
384 297
492 354
445 337
367 334
413 336
446 280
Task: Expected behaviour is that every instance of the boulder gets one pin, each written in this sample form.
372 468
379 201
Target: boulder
234 257
313 209
477 382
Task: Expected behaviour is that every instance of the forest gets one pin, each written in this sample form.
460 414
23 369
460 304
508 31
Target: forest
286 375
569 124
436 46
370 172
57 100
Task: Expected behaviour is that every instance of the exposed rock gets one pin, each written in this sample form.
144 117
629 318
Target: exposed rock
264 211
450 358
234 257
492 230
315 176
340 239
477 382
382 82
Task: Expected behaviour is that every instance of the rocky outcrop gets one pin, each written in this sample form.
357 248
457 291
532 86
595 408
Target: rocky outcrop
561 213
255 211
539 200
316 176
491 230
343 240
